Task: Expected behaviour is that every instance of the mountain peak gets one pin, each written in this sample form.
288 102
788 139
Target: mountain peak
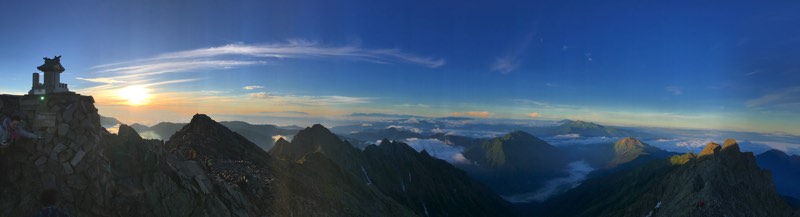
316 138
201 118
282 141
205 137
319 127
580 123
775 153
519 135
711 149
629 149
730 145
127 131
516 150
630 142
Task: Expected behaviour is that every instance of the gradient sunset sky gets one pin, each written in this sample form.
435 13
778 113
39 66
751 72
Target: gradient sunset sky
733 65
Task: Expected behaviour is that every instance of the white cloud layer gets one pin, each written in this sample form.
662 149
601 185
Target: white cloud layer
577 170
439 149
252 87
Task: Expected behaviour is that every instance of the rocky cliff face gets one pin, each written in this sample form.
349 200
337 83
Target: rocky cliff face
97 173
728 182
70 158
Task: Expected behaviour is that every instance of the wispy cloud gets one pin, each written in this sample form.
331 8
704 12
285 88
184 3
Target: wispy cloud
675 90
252 87
419 105
285 113
787 98
159 74
533 114
479 114
240 55
505 65
297 49
543 105
321 100
141 72
259 95
510 61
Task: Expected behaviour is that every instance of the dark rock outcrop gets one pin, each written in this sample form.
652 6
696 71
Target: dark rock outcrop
728 184
70 157
711 149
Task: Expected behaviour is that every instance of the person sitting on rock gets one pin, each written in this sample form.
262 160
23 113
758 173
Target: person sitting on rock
48 199
11 131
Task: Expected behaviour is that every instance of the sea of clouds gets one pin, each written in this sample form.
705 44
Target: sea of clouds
577 171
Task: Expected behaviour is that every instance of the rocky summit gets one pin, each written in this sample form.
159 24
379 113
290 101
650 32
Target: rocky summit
632 151
69 157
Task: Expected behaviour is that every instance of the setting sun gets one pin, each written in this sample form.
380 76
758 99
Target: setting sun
135 95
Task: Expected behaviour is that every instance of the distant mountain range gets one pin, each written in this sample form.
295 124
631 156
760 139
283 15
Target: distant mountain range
785 171
585 129
404 129
426 185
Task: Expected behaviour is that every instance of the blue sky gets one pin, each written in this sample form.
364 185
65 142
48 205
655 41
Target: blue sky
728 65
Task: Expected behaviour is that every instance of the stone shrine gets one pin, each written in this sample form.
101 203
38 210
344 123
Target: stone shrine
52 70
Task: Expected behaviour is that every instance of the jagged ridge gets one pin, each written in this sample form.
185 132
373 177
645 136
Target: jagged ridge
728 183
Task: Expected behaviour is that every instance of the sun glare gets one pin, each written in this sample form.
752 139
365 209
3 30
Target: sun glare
135 95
